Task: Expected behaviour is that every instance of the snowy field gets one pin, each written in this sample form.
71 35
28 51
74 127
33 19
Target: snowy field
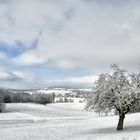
63 121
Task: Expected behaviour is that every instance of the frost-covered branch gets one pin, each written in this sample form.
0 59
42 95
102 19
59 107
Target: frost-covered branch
118 90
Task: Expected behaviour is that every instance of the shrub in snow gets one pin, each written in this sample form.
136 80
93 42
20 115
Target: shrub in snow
118 90
2 107
2 104
42 98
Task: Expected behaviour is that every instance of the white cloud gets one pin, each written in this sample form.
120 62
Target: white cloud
16 79
16 75
24 20
4 75
28 59
93 37
73 82
28 77
84 79
8 76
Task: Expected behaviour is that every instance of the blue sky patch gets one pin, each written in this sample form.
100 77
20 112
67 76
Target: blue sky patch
12 51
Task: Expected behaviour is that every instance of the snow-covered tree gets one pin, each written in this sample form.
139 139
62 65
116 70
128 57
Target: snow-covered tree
117 90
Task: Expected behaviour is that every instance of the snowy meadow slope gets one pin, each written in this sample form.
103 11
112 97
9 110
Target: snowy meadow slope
64 121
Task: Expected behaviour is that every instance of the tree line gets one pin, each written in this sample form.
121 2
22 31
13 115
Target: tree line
22 97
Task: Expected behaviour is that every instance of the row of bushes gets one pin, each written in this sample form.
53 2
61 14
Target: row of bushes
26 97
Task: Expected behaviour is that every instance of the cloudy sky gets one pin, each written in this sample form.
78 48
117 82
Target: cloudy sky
66 43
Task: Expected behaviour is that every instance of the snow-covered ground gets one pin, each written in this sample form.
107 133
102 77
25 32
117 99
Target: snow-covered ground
63 121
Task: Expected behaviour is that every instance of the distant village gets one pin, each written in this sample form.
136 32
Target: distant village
65 95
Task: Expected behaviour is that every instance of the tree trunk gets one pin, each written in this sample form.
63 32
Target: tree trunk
120 123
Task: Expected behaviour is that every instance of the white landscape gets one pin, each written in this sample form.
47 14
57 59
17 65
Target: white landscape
63 121
67 66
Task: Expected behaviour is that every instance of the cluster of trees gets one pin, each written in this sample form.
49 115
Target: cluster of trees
118 90
22 97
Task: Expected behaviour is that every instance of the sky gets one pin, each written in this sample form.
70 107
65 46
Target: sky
66 43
